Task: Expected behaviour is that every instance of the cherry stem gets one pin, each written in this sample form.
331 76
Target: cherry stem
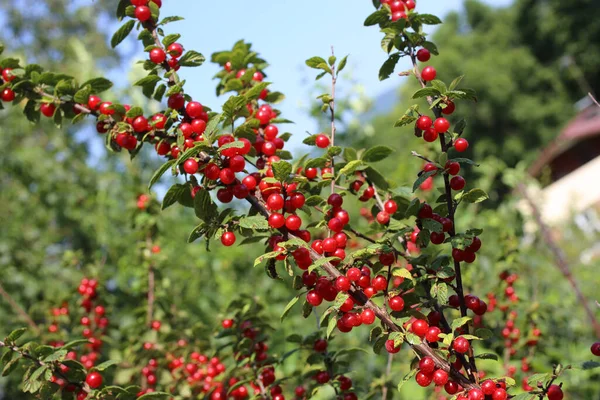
451 212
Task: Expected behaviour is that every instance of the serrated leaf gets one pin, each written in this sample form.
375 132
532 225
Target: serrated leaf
475 196
425 92
422 178
288 307
377 17
106 364
387 68
257 222
314 62
352 167
406 378
457 323
98 85
342 64
173 194
16 334
122 33
266 256
160 172
282 170
191 58
377 153
148 80
487 356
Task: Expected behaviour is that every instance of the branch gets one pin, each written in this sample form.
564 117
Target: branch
594 99
19 310
451 212
40 363
559 258
388 370
150 305
333 128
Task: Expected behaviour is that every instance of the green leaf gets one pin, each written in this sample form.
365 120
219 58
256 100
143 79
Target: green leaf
314 62
407 378
440 86
173 194
457 323
82 95
377 17
403 273
315 200
422 178
11 366
405 120
432 225
266 256
98 85
524 396
191 58
475 196
352 167
155 395
257 222
288 307
460 126
74 343
487 356
106 364
342 64
484 333
282 170
456 82
148 81
160 172
586 365
331 327
388 66
16 334
377 153
58 355
204 207
170 39
122 33
168 20
428 19
428 91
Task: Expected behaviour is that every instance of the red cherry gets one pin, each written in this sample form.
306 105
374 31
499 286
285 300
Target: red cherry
461 145
423 379
441 125
423 55
140 124
451 387
94 380
440 377
427 365
194 109
8 95
293 222
157 55
383 217
452 167
342 283
430 135
457 183
424 122
322 141
461 345
419 327
176 101
7 75
175 50
391 347
276 220
396 303
555 393
190 166
390 206
428 74
367 317
275 202
143 13
488 387
499 394
596 349
48 109
450 107
476 394
228 238
313 298
432 334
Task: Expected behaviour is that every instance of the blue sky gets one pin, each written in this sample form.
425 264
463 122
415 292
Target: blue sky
286 33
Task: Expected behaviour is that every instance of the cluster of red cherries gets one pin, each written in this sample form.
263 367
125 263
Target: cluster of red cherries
94 323
399 8
7 94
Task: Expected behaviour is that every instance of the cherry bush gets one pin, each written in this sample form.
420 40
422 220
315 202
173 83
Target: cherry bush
402 275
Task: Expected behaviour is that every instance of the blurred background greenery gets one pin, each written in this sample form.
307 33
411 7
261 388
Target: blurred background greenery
67 207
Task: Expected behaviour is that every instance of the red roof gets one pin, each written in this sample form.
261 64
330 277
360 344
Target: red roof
583 126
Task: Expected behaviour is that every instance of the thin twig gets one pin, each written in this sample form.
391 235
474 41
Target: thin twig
19 310
560 258
388 370
594 99
150 305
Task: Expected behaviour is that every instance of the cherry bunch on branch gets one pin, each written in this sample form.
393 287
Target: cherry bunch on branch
404 274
